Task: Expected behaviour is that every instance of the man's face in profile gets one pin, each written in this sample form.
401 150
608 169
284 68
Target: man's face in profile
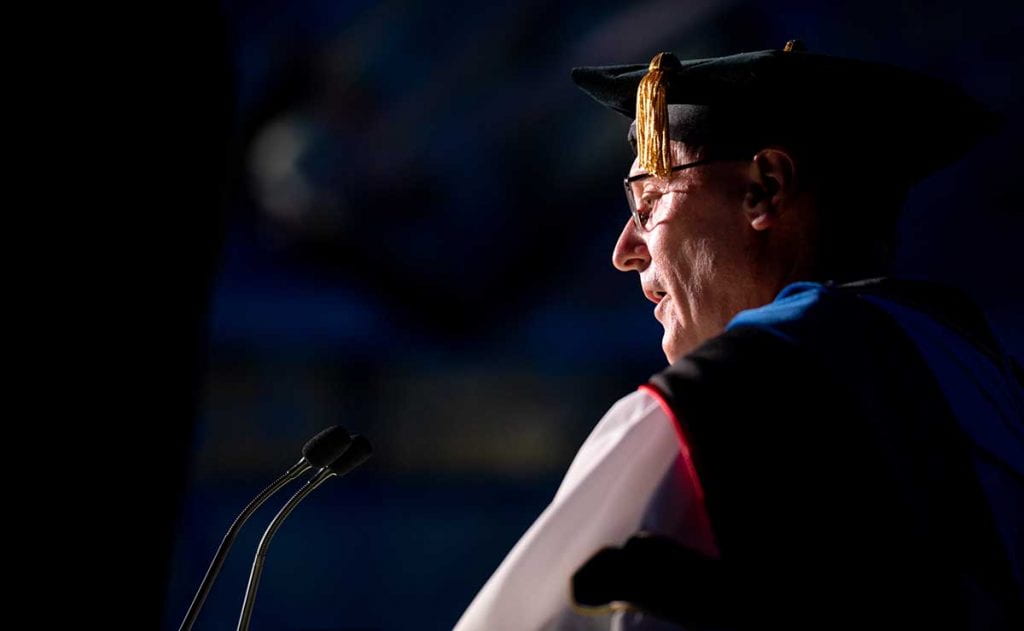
695 259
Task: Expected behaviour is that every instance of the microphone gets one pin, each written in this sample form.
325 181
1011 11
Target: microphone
357 453
319 451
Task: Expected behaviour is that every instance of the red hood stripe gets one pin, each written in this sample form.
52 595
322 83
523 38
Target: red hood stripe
684 446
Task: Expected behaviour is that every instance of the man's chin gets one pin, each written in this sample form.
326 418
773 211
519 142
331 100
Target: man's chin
673 346
677 342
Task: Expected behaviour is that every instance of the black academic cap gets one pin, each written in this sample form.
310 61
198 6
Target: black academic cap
907 123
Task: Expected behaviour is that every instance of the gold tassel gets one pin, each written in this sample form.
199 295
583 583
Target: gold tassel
652 139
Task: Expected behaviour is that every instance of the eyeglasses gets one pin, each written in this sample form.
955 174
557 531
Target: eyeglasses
632 194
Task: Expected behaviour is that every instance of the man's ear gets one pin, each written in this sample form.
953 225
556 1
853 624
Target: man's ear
771 182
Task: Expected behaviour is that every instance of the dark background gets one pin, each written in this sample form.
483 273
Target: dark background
399 217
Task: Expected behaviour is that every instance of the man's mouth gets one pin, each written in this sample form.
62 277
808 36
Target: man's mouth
654 295
660 307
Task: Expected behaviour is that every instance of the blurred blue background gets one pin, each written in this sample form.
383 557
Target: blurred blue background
419 215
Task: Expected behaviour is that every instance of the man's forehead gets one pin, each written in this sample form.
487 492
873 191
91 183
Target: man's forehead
634 168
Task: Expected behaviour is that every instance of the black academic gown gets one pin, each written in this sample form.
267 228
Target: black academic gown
842 489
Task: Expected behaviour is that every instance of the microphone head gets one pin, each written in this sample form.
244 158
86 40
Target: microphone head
327 446
357 453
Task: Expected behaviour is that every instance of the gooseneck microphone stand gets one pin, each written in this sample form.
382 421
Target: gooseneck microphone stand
357 452
225 545
261 553
322 450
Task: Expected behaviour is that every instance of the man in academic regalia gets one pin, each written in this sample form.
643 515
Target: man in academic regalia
830 447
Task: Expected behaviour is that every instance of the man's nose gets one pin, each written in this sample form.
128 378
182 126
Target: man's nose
630 253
